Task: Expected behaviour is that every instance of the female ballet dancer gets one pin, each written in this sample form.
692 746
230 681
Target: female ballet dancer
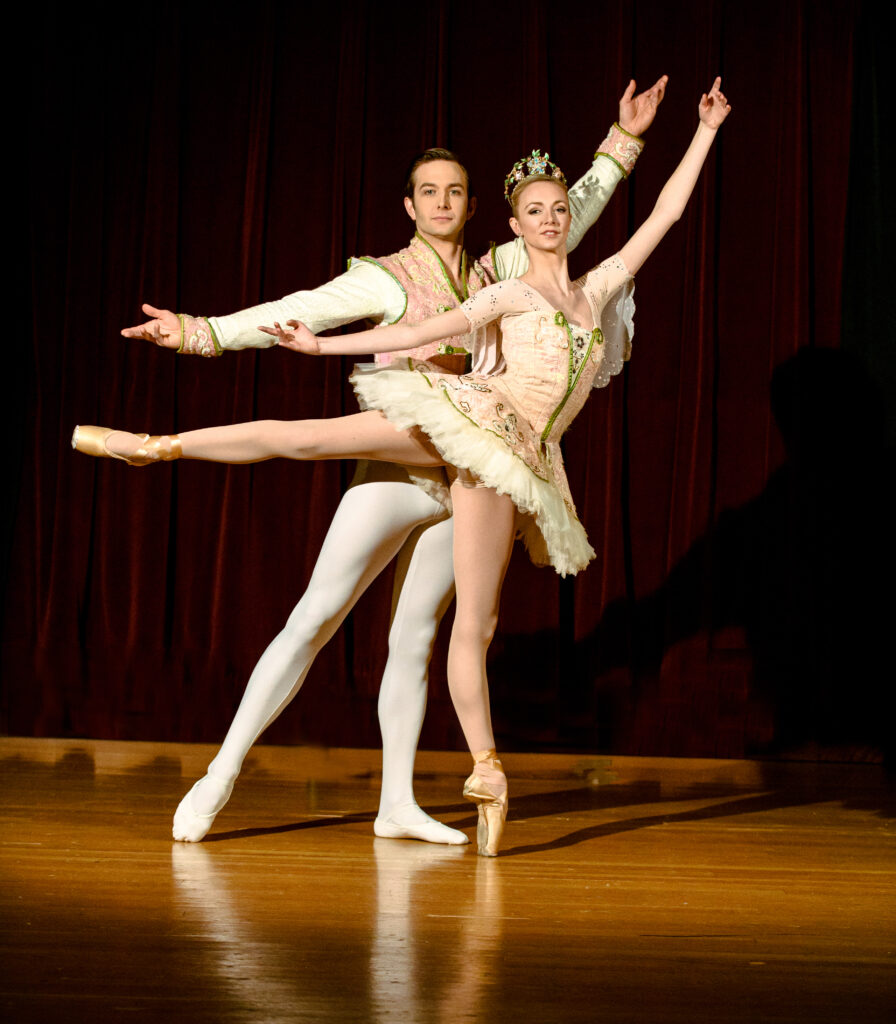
540 343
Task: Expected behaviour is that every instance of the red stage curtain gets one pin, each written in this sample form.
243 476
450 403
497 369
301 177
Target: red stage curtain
206 164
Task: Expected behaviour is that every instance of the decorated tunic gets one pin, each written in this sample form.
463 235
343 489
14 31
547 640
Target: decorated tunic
503 424
429 290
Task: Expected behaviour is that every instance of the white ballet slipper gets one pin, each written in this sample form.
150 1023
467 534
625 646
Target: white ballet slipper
190 826
411 822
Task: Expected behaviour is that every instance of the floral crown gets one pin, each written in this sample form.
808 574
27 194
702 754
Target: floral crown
529 166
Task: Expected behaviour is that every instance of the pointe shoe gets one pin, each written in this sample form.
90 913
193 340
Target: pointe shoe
487 787
93 441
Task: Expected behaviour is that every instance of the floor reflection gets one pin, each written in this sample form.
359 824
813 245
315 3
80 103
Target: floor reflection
410 906
379 947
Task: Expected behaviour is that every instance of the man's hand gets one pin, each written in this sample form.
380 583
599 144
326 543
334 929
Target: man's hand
636 113
163 330
299 339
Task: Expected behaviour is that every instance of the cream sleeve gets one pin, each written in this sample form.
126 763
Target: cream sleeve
364 291
609 289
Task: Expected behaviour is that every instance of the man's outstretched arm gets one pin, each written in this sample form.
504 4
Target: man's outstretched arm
364 292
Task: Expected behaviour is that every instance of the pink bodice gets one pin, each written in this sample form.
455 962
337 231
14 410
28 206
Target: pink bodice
550 366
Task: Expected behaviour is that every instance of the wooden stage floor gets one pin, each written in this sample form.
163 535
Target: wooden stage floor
629 890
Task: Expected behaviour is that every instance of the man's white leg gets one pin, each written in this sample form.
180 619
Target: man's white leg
424 587
371 523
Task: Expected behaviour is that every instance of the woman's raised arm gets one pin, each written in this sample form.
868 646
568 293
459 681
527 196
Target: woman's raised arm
713 110
394 338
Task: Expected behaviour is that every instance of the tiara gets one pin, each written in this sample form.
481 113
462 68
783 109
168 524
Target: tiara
529 166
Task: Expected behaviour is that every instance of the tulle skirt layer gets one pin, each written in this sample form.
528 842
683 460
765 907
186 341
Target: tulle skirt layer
548 523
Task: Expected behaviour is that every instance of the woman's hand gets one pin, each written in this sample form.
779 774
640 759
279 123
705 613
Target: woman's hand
299 339
714 108
672 200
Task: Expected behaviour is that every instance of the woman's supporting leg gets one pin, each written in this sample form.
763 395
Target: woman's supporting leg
483 540
363 435
423 589
371 523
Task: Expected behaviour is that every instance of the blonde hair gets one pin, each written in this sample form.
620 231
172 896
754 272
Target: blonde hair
531 180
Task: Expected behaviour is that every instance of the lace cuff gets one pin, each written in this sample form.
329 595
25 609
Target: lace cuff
197 337
622 148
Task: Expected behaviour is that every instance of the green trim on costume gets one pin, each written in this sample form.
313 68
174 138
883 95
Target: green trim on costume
443 388
637 138
615 161
376 263
182 317
493 252
417 369
219 351
574 374
463 269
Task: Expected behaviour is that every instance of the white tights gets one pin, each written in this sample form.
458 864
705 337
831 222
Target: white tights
383 516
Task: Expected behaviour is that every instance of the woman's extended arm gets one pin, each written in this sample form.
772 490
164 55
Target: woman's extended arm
379 339
713 109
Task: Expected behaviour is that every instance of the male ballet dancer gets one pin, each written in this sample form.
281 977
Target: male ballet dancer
385 511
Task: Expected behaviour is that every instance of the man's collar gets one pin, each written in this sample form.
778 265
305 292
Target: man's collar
419 243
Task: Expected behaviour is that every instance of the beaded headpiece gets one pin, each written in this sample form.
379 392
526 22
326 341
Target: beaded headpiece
527 168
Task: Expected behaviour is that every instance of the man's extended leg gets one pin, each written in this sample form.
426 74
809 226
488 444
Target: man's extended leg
371 523
424 587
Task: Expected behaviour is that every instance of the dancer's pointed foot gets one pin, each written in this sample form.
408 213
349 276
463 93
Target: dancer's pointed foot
487 787
134 449
410 821
196 813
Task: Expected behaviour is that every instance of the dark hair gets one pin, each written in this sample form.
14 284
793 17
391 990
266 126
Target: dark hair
427 156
